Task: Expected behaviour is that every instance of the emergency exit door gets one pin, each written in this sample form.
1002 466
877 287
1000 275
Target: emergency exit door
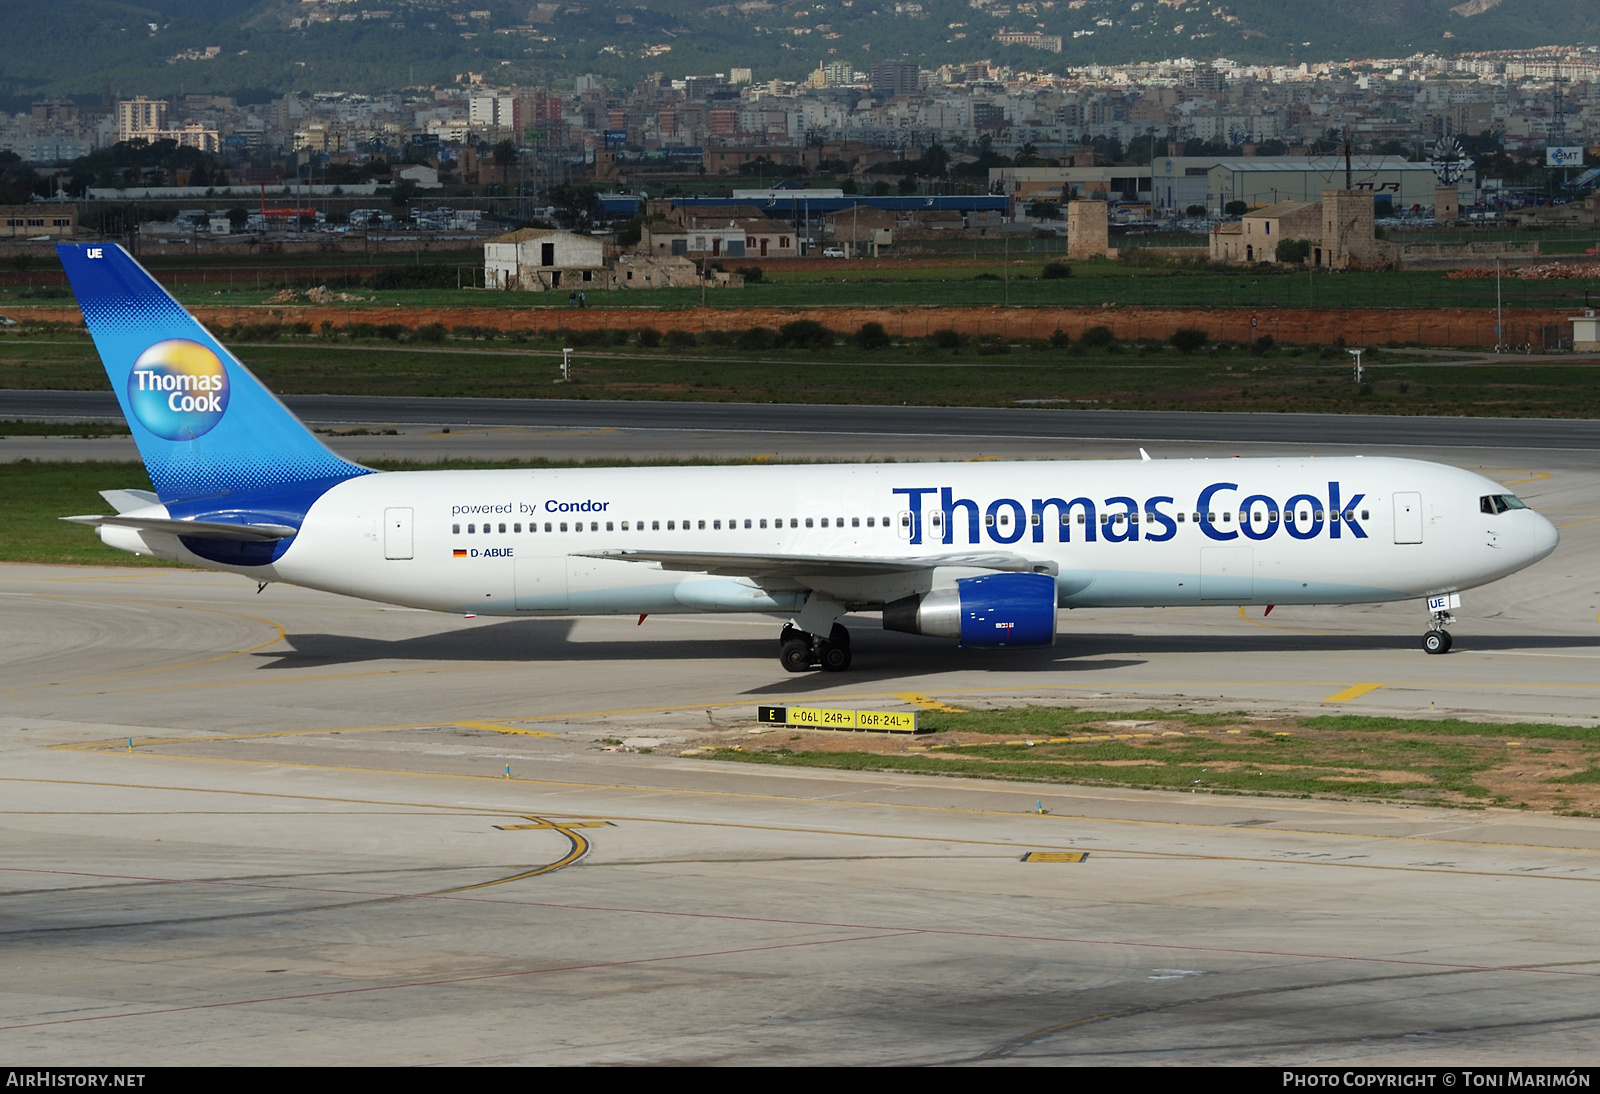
397 533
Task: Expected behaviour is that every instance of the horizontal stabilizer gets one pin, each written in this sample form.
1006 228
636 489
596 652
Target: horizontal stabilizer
126 501
754 565
196 529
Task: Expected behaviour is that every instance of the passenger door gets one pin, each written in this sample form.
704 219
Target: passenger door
397 538
1408 517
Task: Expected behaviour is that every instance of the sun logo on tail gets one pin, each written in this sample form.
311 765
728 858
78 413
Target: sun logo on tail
178 389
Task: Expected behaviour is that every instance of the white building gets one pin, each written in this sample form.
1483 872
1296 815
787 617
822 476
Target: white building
541 260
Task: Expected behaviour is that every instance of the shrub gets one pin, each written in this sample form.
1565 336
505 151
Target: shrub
946 338
649 337
391 331
1263 345
871 336
804 334
1097 337
990 345
1188 339
757 339
1054 271
719 338
753 275
430 332
681 339
1060 339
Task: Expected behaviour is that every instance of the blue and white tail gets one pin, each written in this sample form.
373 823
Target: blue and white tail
204 425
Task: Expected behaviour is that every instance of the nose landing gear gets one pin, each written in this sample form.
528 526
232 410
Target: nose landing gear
800 652
1437 639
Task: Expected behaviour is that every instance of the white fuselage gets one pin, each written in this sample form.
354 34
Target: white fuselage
1150 533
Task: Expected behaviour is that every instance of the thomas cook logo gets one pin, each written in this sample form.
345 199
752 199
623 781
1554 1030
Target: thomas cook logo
178 389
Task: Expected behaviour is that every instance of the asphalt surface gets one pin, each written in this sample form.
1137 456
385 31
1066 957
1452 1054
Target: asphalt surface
1136 426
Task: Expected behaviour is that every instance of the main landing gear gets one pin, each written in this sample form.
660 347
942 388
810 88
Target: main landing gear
1437 639
800 652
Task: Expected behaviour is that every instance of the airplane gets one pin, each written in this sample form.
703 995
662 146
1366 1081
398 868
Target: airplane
982 553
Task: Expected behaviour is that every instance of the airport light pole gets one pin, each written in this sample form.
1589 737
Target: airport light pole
1356 353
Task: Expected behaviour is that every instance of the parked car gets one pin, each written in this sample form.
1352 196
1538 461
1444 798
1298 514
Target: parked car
7 321
833 252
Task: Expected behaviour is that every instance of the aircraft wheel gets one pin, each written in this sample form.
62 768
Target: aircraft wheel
1449 643
795 655
839 636
1436 642
834 658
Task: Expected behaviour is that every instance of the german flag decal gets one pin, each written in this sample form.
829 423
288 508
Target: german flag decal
458 553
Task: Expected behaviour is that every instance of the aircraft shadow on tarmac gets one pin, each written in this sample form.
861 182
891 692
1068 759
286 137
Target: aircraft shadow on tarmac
879 655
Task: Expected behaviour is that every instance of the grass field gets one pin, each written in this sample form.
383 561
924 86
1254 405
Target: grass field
1444 762
1133 377
958 279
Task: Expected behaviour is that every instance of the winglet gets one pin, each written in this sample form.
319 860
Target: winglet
1144 456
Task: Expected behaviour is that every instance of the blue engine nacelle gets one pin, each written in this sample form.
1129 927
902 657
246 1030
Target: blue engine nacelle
984 612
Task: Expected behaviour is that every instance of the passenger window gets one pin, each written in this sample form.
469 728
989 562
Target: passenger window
546 526
938 519
1080 517
1318 514
808 522
1105 518
716 524
455 529
516 527
502 529
824 522
747 522
988 520
1180 518
609 528
655 525
702 525
1272 517
869 522
794 522
671 525
471 528
1037 520
625 526
763 522
1133 518
1365 515
855 522
1227 518
563 526
594 526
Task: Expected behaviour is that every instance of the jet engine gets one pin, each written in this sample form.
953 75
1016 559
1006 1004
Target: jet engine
985 612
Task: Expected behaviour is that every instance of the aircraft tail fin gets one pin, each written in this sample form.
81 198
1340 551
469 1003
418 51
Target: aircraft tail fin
204 424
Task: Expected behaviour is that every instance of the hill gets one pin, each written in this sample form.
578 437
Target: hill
74 47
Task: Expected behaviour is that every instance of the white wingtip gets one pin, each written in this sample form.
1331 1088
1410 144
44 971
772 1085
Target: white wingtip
1143 455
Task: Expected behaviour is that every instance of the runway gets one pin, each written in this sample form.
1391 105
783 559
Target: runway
249 828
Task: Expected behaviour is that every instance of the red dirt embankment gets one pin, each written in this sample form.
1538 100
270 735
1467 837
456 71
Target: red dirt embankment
1358 327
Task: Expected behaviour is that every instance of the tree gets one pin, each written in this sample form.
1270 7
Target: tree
1044 210
1195 211
1236 208
505 153
1294 251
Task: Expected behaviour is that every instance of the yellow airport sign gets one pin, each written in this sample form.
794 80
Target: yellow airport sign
860 721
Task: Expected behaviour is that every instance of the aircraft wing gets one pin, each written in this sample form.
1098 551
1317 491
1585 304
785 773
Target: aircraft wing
757 565
199 529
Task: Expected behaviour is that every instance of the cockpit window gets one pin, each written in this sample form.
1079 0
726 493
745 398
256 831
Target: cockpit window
1499 503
